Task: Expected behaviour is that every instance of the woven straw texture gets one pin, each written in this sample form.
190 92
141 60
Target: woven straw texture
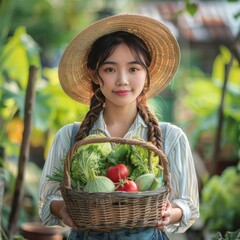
74 76
115 210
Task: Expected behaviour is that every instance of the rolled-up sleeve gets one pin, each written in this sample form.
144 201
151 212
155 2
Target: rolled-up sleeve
184 192
49 190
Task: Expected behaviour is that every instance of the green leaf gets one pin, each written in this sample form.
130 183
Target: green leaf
221 191
233 235
191 8
218 71
198 99
17 55
6 10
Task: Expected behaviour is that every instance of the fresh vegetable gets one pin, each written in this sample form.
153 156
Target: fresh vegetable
135 158
120 154
58 176
123 162
158 180
99 184
90 156
139 159
118 172
127 186
145 181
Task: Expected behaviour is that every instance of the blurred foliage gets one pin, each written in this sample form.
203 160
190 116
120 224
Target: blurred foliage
228 236
29 207
13 78
50 23
52 109
53 23
219 206
202 99
15 58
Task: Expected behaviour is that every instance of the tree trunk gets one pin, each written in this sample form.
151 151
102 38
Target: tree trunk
24 152
218 137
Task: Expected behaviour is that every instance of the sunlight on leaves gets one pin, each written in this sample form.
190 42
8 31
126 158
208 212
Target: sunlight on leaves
218 71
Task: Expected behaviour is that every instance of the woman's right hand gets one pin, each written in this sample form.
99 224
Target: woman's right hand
58 208
65 217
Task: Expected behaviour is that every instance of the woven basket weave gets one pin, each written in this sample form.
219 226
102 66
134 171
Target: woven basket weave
115 210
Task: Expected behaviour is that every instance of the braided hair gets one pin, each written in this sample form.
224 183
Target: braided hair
100 51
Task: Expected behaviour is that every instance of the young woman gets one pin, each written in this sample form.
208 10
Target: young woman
115 65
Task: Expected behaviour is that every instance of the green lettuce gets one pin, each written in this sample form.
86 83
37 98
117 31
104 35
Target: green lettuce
135 158
140 163
85 159
90 156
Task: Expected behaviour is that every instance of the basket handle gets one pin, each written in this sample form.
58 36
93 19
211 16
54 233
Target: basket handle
162 158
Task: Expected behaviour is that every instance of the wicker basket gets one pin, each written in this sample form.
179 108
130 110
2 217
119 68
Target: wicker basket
115 210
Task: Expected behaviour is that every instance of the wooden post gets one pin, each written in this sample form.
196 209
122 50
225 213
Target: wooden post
24 152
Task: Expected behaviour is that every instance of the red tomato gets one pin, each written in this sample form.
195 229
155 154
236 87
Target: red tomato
129 186
118 172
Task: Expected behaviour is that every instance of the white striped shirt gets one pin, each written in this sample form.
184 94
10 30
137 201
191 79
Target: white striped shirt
184 192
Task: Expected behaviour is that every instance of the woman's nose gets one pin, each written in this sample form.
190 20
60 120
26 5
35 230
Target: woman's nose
122 78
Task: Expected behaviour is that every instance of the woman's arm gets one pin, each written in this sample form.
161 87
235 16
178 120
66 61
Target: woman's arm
49 190
184 196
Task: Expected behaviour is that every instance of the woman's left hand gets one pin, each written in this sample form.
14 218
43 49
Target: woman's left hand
166 216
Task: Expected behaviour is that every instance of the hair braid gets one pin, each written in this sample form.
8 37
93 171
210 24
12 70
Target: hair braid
154 131
96 106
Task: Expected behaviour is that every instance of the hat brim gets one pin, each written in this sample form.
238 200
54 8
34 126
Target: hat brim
163 47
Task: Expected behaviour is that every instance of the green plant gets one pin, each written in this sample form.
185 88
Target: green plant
228 236
16 55
219 204
19 52
202 99
29 207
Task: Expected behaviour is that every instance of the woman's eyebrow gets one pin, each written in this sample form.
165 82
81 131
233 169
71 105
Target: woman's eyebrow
109 62
135 62
114 63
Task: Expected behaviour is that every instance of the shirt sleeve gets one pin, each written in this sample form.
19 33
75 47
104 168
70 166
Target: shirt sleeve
49 190
184 192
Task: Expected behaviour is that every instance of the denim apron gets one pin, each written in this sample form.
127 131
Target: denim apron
123 234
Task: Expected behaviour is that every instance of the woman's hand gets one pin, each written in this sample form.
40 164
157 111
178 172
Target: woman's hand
166 216
58 208
171 215
65 217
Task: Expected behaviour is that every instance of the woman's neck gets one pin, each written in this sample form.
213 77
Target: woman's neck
119 120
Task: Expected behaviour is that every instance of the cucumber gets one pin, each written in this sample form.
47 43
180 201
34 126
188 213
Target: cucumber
145 181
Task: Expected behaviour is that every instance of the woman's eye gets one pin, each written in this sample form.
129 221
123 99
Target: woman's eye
133 69
109 70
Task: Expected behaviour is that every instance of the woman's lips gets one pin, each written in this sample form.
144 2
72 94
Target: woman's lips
122 92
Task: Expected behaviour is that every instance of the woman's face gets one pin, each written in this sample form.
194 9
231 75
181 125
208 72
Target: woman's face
122 77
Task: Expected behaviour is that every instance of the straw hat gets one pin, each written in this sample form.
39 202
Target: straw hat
74 76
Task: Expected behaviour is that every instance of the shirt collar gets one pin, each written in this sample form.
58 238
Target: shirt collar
101 125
